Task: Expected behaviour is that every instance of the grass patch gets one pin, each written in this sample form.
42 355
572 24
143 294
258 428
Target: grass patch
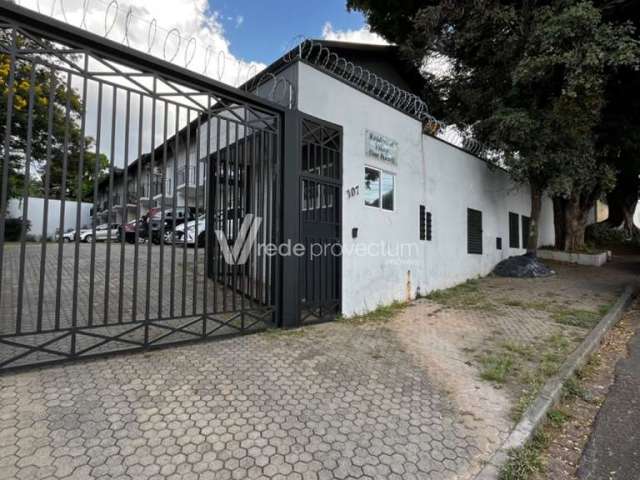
576 317
383 313
524 369
590 367
604 309
284 333
531 305
544 362
557 417
518 349
562 314
470 296
467 295
574 389
496 367
526 461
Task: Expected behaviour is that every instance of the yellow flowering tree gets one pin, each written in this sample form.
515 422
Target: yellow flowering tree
56 112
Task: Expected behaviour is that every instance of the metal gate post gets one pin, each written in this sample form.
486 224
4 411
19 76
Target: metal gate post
291 169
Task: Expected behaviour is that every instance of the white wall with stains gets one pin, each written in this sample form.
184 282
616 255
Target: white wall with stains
388 261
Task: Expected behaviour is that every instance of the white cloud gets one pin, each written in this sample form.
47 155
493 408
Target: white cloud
200 45
363 35
209 53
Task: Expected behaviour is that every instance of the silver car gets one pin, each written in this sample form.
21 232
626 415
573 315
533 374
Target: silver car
186 232
101 234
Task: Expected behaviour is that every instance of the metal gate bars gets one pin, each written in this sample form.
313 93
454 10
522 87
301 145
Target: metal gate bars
131 193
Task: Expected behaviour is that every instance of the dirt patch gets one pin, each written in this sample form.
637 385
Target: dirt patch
437 340
492 343
568 436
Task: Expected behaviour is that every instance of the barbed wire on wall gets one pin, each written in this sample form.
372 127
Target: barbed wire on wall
321 56
124 25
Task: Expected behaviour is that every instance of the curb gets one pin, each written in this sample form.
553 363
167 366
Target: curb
550 393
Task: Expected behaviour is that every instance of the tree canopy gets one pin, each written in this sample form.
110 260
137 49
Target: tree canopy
56 139
530 78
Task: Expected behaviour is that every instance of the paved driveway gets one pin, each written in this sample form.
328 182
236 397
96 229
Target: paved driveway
331 401
387 400
123 280
116 286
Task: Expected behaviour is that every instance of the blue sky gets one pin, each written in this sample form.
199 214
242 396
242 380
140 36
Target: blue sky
268 26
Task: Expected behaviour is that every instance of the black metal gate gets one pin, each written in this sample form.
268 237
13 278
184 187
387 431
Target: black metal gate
320 220
131 167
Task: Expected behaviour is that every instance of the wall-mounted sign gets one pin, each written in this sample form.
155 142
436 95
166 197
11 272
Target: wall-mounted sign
353 191
381 147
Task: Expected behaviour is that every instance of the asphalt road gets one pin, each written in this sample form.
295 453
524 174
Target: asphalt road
613 451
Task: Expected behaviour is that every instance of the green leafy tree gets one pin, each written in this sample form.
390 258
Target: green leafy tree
619 134
49 97
528 78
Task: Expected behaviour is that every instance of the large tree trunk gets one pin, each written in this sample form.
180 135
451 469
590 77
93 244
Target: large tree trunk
560 221
622 203
536 207
576 222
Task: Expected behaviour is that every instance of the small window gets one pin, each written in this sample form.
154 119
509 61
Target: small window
474 231
388 191
514 230
379 189
526 222
498 243
425 224
371 187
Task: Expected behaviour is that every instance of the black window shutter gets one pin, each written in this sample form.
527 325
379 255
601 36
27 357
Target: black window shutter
429 226
514 230
526 221
474 231
423 223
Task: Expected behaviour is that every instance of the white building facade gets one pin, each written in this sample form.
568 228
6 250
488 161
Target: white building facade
408 203
425 172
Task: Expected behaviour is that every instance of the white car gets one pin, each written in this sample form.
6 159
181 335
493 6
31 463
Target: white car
68 236
178 236
102 233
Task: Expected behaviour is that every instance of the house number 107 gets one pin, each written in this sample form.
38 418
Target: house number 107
353 191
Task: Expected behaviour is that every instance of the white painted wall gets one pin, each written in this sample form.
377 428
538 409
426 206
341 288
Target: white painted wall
428 172
456 181
35 214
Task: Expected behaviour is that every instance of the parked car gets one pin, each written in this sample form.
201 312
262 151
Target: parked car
186 232
102 232
128 231
68 236
155 224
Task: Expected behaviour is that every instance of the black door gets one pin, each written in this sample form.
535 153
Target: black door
320 221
